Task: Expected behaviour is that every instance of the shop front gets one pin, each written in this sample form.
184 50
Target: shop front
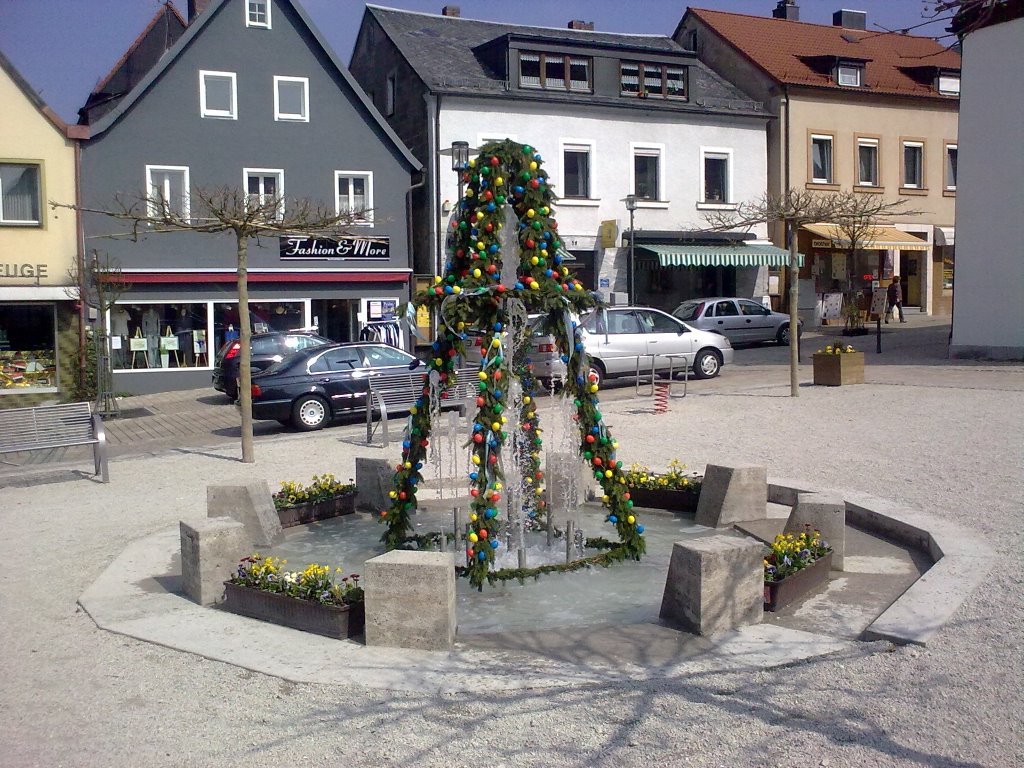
38 343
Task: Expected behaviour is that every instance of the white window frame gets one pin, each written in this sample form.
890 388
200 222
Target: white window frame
367 176
220 114
648 150
278 172
287 116
186 202
831 157
945 171
919 183
584 146
248 13
728 203
863 141
948 80
847 69
39 198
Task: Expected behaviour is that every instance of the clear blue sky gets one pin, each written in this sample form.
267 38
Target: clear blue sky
64 47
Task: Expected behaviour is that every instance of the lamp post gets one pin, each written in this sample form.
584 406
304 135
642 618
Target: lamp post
630 201
460 157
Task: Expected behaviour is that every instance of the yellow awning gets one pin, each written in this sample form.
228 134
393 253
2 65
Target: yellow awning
876 238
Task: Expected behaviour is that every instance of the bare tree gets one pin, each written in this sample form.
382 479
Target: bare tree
793 209
223 210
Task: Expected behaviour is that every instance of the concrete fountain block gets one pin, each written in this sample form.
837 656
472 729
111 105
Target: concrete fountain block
410 600
210 551
732 494
252 505
373 481
714 583
824 512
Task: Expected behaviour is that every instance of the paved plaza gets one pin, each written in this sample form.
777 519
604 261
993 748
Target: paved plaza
943 437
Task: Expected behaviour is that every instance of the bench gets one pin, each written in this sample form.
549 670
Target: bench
393 392
49 427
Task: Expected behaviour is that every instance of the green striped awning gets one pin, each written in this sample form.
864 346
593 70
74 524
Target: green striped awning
720 255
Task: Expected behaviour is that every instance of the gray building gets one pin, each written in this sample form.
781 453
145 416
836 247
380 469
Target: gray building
250 97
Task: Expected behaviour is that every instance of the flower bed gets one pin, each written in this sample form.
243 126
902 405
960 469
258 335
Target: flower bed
676 489
794 565
838 365
323 498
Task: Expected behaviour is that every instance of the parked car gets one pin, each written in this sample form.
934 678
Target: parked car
743 321
547 365
267 349
615 337
312 386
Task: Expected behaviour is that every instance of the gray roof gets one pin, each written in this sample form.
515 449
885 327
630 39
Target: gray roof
441 50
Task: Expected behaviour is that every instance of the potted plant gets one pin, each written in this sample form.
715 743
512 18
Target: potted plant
675 489
837 365
793 566
313 600
324 497
853 315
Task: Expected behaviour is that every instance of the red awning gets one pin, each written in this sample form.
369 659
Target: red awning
264 277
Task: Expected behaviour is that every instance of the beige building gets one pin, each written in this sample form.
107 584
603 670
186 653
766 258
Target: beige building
39 328
868 111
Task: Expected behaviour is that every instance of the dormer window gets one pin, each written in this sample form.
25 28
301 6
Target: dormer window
655 81
555 72
949 84
257 13
850 75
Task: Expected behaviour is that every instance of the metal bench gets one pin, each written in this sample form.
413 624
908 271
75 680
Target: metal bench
49 427
399 392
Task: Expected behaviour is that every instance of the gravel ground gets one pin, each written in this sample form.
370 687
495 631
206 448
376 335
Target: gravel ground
77 696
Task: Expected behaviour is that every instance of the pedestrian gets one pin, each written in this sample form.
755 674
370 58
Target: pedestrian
894 295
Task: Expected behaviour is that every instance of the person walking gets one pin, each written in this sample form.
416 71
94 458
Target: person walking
894 296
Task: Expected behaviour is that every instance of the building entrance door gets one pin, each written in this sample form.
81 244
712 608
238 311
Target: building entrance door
910 268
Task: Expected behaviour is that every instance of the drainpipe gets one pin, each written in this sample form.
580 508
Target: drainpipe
785 139
80 256
434 122
408 234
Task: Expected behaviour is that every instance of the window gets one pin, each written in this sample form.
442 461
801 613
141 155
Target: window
291 98
726 309
354 194
265 189
646 173
257 13
913 164
951 167
715 175
656 322
28 349
168 190
389 95
576 171
949 85
217 96
342 359
378 356
555 71
821 159
655 81
20 194
159 335
753 309
849 75
867 162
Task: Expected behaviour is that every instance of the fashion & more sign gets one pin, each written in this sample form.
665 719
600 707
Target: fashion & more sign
344 248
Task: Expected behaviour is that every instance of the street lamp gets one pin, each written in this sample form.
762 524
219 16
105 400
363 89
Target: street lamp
630 201
460 157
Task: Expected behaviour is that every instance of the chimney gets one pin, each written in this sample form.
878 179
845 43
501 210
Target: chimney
850 19
586 26
787 9
195 7
452 11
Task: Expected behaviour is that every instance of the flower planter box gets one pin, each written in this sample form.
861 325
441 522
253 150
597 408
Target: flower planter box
835 370
310 512
779 594
675 500
338 622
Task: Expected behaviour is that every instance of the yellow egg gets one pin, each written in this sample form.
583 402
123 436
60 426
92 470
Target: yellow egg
526 399
473 537
497 486
607 473
472 518
476 459
456 289
504 420
630 519
593 387
495 342
437 278
482 375
437 361
392 494
539 491
605 499
495 426
476 273
499 181
472 163
408 465
533 165
534 285
530 213
535 261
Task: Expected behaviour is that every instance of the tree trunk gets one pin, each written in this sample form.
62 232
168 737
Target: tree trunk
794 320
245 354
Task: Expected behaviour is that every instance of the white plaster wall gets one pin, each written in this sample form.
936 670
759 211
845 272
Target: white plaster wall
988 311
611 133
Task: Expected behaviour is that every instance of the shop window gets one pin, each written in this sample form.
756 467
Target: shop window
28 358
264 316
19 193
291 99
354 194
158 335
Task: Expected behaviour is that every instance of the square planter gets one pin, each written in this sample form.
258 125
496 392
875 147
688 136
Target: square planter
675 500
836 370
310 512
779 594
334 621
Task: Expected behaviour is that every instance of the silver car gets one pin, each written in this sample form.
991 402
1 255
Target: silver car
743 321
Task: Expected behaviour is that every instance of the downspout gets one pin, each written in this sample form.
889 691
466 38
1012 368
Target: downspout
434 106
785 139
409 242
80 256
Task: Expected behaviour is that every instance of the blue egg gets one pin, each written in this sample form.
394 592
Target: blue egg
473 475
419 465
497 326
406 444
519 286
579 347
613 519
639 529
449 289
494 544
481 556
490 207
565 358
497 393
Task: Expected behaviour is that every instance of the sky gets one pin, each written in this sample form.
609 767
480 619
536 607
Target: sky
64 47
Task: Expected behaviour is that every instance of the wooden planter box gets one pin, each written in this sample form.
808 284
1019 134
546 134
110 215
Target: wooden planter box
300 514
779 594
677 501
328 620
836 370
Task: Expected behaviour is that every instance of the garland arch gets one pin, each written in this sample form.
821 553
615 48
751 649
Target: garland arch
507 189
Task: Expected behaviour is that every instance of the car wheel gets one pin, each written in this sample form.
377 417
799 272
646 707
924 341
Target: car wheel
310 412
783 335
706 365
596 369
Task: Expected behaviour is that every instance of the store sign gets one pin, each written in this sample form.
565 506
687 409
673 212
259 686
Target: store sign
819 243
381 309
23 271
341 249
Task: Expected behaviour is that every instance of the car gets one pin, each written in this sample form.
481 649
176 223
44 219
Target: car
267 349
743 321
616 337
310 387
547 365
